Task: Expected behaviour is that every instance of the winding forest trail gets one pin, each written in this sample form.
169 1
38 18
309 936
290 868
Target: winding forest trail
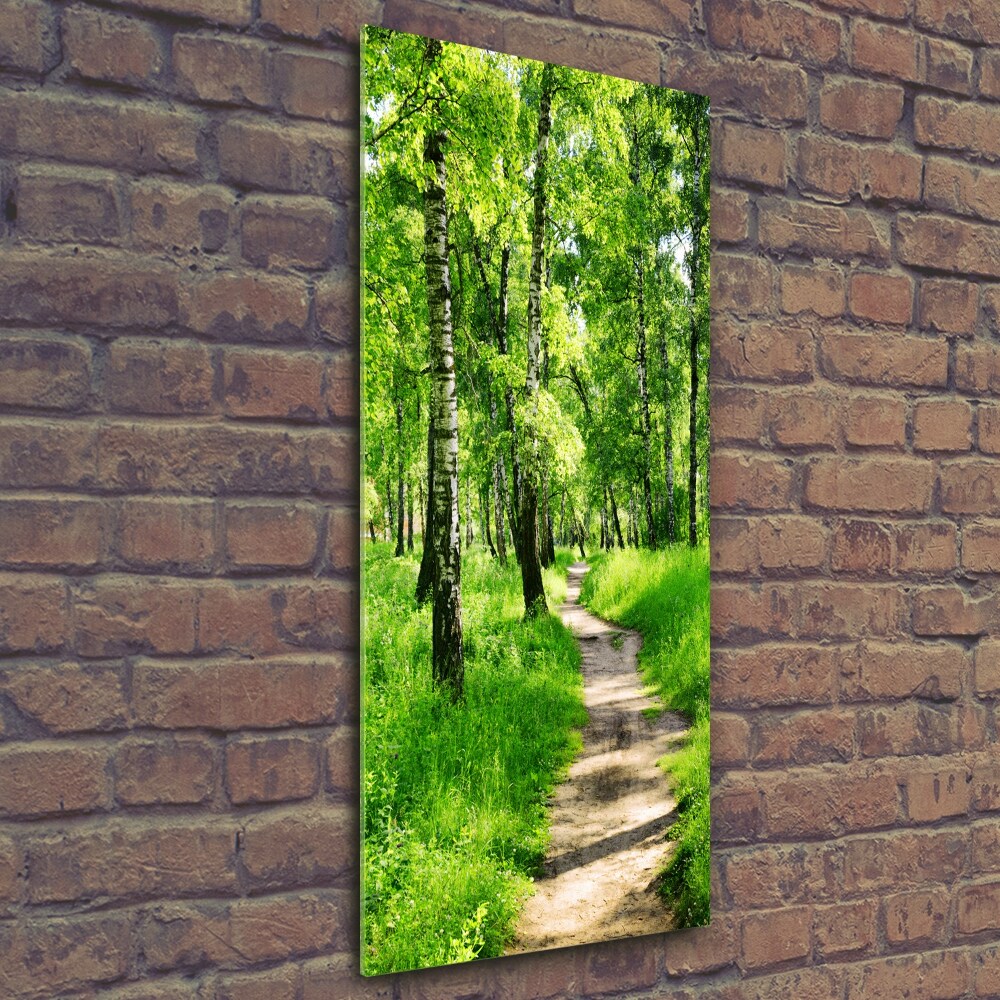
609 818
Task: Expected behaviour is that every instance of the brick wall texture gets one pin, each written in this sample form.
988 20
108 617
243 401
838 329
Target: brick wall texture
179 184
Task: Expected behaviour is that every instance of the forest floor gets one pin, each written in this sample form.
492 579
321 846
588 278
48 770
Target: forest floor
610 817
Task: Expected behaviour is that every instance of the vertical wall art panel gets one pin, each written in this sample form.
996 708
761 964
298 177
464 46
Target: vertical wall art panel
535 495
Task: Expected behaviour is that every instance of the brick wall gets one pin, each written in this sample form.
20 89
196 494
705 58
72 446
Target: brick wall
178 683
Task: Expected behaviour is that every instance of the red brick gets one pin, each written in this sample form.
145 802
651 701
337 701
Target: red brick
858 107
50 781
772 875
281 983
986 970
970 487
926 548
223 69
944 974
874 670
812 289
948 306
189 936
948 66
951 244
873 865
823 230
111 133
973 20
44 371
235 694
755 155
774 29
881 298
891 174
773 675
46 957
875 421
11 864
730 735
988 439
34 613
966 127
950 611
79 206
917 917
247 307
989 73
790 543
905 729
738 415
103 46
180 218
271 536
762 351
736 814
942 425
341 379
29 39
848 610
297 847
149 376
742 285
739 611
730 216
68 697
108 290
750 483
290 232
932 795
884 359
272 770
51 533
336 18
892 485
988 668
301 158
337 305
845 928
886 50
343 531
155 533
315 86
991 309
232 12
861 547
962 188
733 548
986 786
981 547
116 615
978 908
341 752
135 859
895 10
808 737
171 772
273 384
829 167
776 936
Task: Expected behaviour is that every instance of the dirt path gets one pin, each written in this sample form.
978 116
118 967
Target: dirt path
610 816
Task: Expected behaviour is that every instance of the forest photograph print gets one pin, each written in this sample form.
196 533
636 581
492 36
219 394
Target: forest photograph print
535 515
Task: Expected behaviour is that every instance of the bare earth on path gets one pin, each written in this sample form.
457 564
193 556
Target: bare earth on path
609 818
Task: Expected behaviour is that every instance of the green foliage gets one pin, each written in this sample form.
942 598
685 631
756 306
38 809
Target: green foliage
454 818
665 596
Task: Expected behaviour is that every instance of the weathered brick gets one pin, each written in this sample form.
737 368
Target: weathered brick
898 860
932 795
795 543
772 875
942 425
962 188
51 532
986 787
270 536
104 46
34 613
896 10
165 772
68 697
730 216
823 230
180 218
988 667
829 167
884 359
736 815
877 671
756 155
963 126
986 971
969 487
951 244
290 232
341 754
845 928
336 18
774 29
812 289
750 483
891 174
950 611
881 298
917 917
886 50
150 376
973 20
978 908
948 306
948 66
29 39
75 780
858 107
806 737
848 611
223 69
861 547
981 547
926 548
742 285
874 421
757 611
891 485
44 371
762 351
117 615
342 539
773 675
337 305
281 983
776 936
991 309
316 86
285 848
940 974
806 422
234 694
123 860
159 534
247 307
989 73
79 206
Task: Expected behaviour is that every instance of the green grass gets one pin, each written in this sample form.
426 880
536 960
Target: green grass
454 794
665 596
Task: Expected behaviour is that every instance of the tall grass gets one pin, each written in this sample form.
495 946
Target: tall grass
454 816
665 596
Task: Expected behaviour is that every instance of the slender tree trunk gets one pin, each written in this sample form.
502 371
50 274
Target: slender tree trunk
531 570
614 516
447 653
694 269
400 493
371 530
499 491
484 499
668 442
391 519
647 488
562 518
543 540
468 516
583 555
425 579
409 515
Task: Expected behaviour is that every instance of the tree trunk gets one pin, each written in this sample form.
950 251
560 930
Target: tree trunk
668 442
371 530
425 579
468 516
647 488
543 512
614 516
400 492
694 270
409 515
531 569
499 491
484 499
447 653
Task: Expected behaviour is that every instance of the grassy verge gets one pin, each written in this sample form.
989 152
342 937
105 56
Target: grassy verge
665 596
454 818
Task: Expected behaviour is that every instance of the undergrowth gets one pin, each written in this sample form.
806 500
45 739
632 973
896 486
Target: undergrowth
454 794
665 596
